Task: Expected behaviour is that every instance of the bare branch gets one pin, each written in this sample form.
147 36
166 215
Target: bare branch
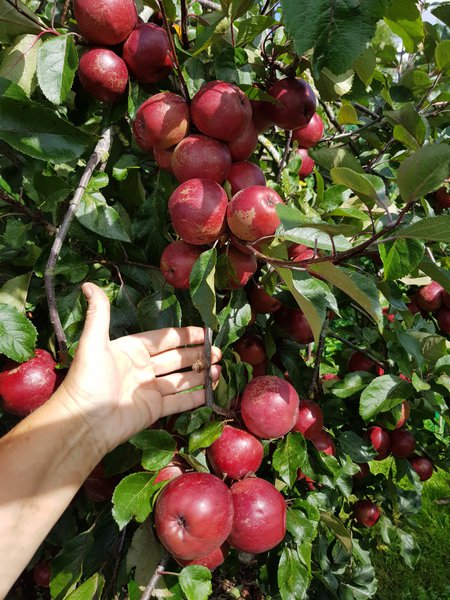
155 577
65 10
210 5
270 148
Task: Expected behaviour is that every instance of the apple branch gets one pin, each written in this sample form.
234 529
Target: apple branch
270 148
314 385
210 5
100 155
184 17
155 577
64 12
176 62
34 215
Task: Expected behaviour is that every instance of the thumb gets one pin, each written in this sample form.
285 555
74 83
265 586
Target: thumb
96 326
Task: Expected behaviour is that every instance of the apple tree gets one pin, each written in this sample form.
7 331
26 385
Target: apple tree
276 172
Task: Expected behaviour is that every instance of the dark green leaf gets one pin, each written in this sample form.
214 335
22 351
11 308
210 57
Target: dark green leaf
56 67
442 12
159 309
382 394
401 257
411 121
329 158
442 276
351 384
424 171
195 74
367 187
204 437
405 20
353 445
9 89
202 287
89 590
131 498
293 579
248 29
195 581
17 334
67 566
409 549
436 229
289 457
337 528
14 292
233 319
232 65
158 448
18 62
190 421
38 132
302 519
442 55
14 23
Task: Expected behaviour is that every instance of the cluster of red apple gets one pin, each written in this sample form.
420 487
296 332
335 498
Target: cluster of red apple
433 298
145 48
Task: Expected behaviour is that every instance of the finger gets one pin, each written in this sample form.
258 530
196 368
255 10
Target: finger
96 325
176 403
181 358
171 337
179 382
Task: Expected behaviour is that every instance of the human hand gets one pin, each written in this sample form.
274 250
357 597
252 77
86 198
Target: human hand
122 386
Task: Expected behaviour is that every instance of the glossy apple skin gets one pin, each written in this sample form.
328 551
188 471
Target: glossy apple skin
170 472
198 209
396 417
324 443
443 319
269 406
147 53
299 252
42 574
366 513
364 471
177 261
295 325
429 297
296 103
310 419
252 213
103 74
161 121
245 144
360 362
235 454
198 156
244 174
211 561
261 302
259 522
380 440
194 515
163 158
310 135
250 348
446 299
261 117
24 387
237 269
403 443
307 166
221 110
105 22
422 466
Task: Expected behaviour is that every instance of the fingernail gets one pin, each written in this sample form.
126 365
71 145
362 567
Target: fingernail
87 291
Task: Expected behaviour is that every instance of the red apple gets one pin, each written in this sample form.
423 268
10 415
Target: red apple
198 156
443 319
296 103
24 387
161 121
310 135
397 416
105 22
42 574
403 443
245 174
97 487
422 466
194 515
379 438
211 561
366 513
261 302
310 419
330 377
163 158
236 269
364 471
259 522
103 74
310 483
261 117
324 443
308 164
252 213
260 370
235 454
446 299
360 362
197 209
299 252
295 325
429 297
172 470
147 53
269 406
250 348
442 196
221 110
412 306
244 145
177 262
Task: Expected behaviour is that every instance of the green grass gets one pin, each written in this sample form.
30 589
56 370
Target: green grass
430 579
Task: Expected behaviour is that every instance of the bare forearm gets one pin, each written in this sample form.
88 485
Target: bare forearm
43 462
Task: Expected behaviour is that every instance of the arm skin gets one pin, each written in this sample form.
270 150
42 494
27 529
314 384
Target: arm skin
112 390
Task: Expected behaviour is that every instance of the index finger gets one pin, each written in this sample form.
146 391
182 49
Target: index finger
169 338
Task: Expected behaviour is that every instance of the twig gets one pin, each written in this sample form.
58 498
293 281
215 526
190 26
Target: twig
374 160
287 149
100 155
265 7
210 5
330 116
209 396
336 336
270 148
352 134
64 12
428 92
34 215
184 88
184 34
366 110
320 346
155 577
118 554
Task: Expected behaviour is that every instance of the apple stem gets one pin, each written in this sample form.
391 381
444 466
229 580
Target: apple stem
99 156
155 577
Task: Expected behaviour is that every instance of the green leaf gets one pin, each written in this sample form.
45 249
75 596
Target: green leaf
131 498
202 287
9 89
351 384
338 31
367 187
14 23
204 437
233 319
328 158
159 309
353 445
293 578
56 67
158 448
442 55
67 566
366 65
409 548
359 287
232 65
442 12
194 72
18 62
37 131
14 292
17 334
89 590
248 29
436 229
409 126
401 257
347 115
405 20
195 581
188 422
96 215
289 456
431 269
337 529
331 86
382 394
424 171
302 519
